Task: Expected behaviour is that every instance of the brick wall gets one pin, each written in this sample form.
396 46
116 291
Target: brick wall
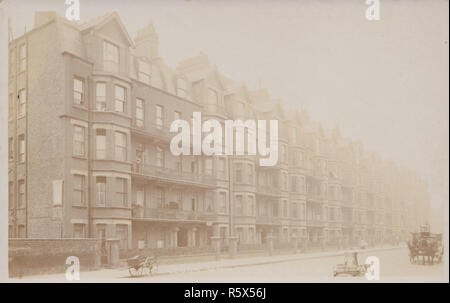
44 256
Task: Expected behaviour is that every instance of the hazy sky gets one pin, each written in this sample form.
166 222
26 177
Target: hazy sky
385 82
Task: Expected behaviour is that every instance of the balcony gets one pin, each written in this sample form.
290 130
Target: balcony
311 197
152 130
348 223
268 220
316 223
166 214
269 191
173 176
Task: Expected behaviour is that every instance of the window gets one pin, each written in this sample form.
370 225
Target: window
78 90
140 195
22 102
285 208
100 185
78 190
78 141
275 208
10 148
21 194
100 143
284 181
208 167
176 115
79 231
122 234
302 185
57 192
250 173
194 164
283 153
160 198
121 146
12 62
21 231
110 57
159 116
144 72
294 184
238 172
251 206
179 199
294 135
294 211
10 195
300 158
100 96
209 206
159 157
181 88
221 168
194 203
22 149
121 191
139 112
239 208
23 57
179 164
222 202
140 150
119 97
212 97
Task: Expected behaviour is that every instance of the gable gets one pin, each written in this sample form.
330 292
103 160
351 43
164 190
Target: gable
214 81
114 31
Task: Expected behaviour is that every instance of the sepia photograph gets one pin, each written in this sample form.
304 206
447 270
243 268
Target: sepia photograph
254 141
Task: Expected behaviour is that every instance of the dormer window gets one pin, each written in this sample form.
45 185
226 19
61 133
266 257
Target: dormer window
110 57
181 88
213 98
144 72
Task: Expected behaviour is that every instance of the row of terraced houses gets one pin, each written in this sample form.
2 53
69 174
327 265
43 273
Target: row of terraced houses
89 117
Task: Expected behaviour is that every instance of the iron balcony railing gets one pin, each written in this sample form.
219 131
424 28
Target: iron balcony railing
266 219
154 130
268 190
316 223
172 175
169 214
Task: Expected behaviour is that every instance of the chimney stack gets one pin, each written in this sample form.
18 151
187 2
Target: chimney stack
146 42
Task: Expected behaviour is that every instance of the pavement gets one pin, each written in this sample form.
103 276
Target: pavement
108 275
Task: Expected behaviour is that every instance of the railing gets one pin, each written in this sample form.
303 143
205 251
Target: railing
172 174
316 223
168 214
154 130
348 223
314 197
268 190
268 220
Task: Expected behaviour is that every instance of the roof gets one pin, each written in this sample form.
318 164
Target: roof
99 22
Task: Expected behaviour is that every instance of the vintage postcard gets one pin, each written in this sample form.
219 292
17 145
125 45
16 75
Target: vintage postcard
224 141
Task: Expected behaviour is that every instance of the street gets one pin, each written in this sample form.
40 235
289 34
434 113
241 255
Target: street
394 267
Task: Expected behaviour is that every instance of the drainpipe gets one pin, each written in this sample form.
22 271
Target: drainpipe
89 154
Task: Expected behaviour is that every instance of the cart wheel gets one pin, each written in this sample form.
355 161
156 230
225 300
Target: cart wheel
135 272
146 270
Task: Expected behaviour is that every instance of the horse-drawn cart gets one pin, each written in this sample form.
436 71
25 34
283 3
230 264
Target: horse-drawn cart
351 266
141 265
425 247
